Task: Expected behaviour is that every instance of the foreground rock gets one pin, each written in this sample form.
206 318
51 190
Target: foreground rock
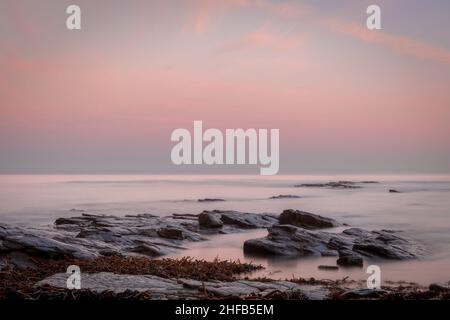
162 288
349 245
306 220
89 236
140 278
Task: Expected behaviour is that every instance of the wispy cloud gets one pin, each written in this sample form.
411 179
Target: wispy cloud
264 39
399 44
207 12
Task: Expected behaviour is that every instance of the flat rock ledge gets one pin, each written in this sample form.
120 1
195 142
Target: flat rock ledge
351 245
90 236
306 220
162 288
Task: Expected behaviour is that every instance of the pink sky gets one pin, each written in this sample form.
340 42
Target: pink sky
107 97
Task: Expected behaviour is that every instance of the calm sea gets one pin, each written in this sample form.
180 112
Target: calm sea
422 210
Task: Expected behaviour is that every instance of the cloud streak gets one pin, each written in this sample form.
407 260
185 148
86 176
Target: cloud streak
400 44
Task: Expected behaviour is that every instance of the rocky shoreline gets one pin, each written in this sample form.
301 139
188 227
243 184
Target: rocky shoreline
96 241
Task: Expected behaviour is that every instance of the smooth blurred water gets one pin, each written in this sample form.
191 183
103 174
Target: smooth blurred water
422 210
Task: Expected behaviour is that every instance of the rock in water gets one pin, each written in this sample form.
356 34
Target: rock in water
171 233
285 196
306 220
209 220
88 236
326 267
245 220
210 200
332 184
349 258
289 240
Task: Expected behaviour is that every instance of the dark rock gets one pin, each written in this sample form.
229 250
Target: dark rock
349 258
332 184
109 252
285 196
388 245
325 267
352 244
245 220
64 221
188 289
171 233
288 240
88 236
210 200
19 260
363 294
306 220
440 287
149 250
393 191
209 220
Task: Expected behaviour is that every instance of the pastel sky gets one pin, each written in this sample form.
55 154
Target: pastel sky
106 98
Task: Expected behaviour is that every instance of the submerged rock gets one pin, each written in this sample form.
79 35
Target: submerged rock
306 220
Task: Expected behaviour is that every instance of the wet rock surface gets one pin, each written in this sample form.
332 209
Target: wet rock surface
89 236
285 196
363 294
349 258
210 220
210 200
162 288
333 185
351 245
306 220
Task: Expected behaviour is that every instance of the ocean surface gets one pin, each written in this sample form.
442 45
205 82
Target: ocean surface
421 210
